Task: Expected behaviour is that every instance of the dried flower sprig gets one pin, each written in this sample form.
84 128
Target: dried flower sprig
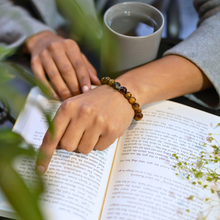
202 169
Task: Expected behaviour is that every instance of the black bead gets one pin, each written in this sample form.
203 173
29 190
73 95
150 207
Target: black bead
123 90
117 85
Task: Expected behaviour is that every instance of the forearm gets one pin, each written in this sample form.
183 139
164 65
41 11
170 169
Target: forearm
166 78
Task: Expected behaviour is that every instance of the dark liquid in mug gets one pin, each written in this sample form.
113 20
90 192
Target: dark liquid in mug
133 25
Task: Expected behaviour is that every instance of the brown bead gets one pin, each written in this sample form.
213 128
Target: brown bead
102 80
138 117
123 90
135 106
128 95
117 85
106 80
138 111
111 82
132 100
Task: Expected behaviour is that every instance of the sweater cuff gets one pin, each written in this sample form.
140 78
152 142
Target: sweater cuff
202 48
16 26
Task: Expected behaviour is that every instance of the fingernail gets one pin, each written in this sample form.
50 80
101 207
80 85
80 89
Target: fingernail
85 89
40 170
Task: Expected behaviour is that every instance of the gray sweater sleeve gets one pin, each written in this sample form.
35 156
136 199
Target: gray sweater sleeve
202 48
16 25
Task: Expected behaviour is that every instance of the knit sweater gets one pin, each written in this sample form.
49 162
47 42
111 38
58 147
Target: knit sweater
202 47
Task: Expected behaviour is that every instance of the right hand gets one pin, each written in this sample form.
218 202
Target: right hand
92 120
62 61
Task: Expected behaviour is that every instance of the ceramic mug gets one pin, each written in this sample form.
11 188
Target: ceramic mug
131 37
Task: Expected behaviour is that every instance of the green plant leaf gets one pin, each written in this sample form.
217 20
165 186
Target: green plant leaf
10 74
19 195
14 188
84 20
4 77
5 52
8 137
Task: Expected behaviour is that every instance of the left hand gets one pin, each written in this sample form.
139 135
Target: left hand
61 60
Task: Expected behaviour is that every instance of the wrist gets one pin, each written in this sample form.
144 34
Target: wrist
127 80
33 40
165 78
127 95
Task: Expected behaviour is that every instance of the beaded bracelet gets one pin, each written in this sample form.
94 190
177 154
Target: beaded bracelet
123 90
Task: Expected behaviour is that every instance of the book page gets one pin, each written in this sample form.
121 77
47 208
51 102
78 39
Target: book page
144 184
75 184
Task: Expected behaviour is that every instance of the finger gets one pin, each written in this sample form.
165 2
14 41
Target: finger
89 65
72 136
40 76
75 57
51 141
88 141
55 77
92 71
67 72
94 79
104 142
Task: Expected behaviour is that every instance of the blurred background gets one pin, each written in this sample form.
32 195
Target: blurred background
180 21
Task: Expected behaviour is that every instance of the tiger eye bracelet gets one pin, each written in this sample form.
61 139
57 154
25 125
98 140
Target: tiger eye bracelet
123 90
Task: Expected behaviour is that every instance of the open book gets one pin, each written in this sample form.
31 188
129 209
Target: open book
133 179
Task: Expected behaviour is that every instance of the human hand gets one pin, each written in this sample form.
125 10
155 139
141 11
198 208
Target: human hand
92 120
62 61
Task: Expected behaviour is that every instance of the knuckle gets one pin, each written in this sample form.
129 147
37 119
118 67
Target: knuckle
109 140
66 69
69 42
53 46
100 148
77 64
84 150
34 60
43 54
51 73
66 105
64 145
48 139
83 79
86 111
100 120
75 90
65 93
111 128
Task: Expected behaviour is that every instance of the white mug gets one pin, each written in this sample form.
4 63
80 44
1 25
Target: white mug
131 37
